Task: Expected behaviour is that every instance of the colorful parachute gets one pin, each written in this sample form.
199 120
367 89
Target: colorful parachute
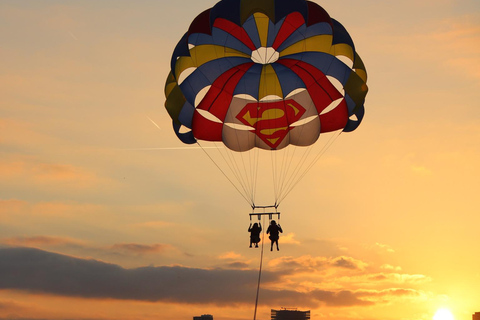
264 74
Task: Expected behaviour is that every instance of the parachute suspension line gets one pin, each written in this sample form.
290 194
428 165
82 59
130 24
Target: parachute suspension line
330 142
226 176
290 167
232 163
254 171
282 166
286 169
297 168
301 169
277 172
248 174
259 270
235 168
240 161
273 160
332 139
295 172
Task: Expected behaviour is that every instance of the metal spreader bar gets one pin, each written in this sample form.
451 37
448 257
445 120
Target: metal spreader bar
270 214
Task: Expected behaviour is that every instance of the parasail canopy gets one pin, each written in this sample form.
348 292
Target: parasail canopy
264 74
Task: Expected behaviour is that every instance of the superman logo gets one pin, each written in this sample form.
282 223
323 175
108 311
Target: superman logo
270 120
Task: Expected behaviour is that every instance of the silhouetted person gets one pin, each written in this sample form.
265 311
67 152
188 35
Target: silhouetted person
274 229
255 233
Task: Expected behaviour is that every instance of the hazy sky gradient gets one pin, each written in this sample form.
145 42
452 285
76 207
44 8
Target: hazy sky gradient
95 225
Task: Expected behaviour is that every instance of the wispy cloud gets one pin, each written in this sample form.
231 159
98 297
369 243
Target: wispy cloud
34 174
459 39
290 238
136 248
153 224
451 44
384 247
309 263
230 255
15 209
390 267
386 296
374 279
40 241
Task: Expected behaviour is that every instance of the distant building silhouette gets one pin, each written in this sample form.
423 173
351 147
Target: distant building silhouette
476 316
204 317
291 314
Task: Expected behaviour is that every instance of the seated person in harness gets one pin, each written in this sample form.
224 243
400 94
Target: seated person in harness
274 230
255 233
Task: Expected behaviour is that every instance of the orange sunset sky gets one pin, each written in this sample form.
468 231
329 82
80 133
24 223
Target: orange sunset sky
105 214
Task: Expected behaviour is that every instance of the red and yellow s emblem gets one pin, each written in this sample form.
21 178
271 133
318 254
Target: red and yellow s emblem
271 120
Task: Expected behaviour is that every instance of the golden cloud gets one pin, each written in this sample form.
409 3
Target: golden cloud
289 238
41 241
141 248
30 173
230 255
317 264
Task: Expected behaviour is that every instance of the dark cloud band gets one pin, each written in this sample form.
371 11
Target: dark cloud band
40 271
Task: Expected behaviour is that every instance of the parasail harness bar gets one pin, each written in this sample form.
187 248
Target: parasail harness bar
270 215
260 214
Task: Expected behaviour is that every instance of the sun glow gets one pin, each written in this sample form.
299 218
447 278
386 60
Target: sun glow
443 314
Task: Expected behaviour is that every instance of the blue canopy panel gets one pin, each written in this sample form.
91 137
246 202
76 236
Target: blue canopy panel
193 84
273 29
350 104
250 27
206 74
249 83
353 124
326 63
319 29
186 114
288 79
180 50
186 137
340 35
